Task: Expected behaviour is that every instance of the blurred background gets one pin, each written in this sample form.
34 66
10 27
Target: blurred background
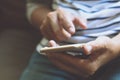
18 39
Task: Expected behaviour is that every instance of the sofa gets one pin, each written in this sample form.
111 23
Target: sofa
18 39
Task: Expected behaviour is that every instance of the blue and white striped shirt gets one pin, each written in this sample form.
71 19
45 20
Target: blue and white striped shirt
103 17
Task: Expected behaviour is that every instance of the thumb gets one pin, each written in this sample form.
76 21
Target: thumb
100 44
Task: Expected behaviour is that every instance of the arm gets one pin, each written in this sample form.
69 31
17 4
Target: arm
37 11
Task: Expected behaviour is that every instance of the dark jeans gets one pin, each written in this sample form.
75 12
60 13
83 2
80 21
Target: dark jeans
40 68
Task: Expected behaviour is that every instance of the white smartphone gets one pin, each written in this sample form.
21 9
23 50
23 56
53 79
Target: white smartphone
63 48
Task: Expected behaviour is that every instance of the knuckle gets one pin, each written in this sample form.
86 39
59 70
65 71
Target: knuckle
61 34
105 42
67 36
50 14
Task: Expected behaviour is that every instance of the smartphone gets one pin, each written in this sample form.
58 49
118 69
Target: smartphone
63 48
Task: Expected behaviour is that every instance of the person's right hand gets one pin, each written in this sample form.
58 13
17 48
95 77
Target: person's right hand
60 25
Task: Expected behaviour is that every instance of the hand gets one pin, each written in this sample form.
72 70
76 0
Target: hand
60 25
100 52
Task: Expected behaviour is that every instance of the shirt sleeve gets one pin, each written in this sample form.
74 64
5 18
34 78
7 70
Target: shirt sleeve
33 4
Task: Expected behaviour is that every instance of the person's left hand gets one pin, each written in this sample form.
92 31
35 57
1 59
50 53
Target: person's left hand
100 51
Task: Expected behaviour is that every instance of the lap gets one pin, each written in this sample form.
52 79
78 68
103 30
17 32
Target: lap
110 71
40 68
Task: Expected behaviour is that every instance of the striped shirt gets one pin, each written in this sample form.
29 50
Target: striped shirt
103 18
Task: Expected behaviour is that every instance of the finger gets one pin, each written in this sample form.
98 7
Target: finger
80 22
52 43
66 21
59 32
68 68
47 31
101 43
52 18
88 66
54 27
87 49
62 34
44 31
72 61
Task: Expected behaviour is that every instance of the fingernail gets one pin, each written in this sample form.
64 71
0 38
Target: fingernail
45 54
89 49
71 30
